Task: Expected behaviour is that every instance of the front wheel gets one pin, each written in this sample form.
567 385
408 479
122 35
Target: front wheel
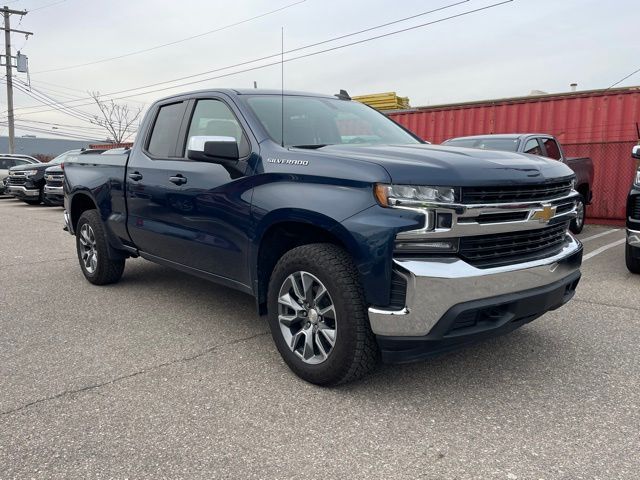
633 262
577 224
93 251
318 317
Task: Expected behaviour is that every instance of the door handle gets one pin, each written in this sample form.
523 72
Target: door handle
178 179
135 176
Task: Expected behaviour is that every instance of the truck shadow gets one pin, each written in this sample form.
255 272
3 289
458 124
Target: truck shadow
492 364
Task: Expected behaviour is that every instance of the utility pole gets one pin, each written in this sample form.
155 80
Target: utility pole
7 49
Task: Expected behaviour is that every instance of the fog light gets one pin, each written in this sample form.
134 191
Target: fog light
422 246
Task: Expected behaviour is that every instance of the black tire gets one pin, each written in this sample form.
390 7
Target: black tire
355 351
633 263
106 270
577 224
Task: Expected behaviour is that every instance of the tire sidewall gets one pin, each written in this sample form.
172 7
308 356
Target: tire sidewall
575 227
85 219
346 335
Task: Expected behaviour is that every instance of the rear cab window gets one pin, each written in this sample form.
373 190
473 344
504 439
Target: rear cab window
552 148
166 129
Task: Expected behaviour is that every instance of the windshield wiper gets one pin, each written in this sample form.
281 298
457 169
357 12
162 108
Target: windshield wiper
311 147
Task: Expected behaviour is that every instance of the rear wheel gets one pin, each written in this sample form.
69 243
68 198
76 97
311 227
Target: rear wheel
93 251
633 262
577 224
318 317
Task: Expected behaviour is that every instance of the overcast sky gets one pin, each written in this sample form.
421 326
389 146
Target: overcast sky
504 51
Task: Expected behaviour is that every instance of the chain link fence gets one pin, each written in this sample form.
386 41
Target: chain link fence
614 170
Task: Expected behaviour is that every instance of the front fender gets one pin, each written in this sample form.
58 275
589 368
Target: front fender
349 214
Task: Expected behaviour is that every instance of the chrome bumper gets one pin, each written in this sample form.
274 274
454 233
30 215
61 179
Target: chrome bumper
67 223
436 285
633 238
21 190
53 190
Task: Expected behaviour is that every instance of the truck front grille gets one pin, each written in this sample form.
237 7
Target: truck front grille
54 180
494 250
15 180
635 208
514 194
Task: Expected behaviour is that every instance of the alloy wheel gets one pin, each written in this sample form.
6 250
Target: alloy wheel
307 317
88 248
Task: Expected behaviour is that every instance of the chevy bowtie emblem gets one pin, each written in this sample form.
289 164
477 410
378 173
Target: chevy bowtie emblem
544 215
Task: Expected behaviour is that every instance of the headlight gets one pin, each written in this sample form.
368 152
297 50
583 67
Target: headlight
637 181
412 195
28 173
573 184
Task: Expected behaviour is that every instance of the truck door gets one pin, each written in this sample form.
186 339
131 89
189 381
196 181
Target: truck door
201 212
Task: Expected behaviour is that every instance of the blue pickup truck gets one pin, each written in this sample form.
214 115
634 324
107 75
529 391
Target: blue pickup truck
358 240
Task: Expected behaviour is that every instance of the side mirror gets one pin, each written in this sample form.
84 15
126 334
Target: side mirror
212 149
635 152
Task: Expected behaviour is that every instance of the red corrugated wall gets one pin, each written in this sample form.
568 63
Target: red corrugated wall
600 124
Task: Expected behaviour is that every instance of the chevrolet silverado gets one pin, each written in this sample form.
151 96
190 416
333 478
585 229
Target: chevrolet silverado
358 240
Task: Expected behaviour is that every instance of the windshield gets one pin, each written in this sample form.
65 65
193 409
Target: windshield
315 122
61 158
505 144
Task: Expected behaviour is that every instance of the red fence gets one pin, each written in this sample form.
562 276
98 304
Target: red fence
613 173
600 124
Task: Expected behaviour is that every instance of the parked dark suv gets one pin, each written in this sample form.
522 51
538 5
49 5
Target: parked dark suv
27 182
632 253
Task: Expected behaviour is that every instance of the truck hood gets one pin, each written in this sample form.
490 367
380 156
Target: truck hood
31 166
424 164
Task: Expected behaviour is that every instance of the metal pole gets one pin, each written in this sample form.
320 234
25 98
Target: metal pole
7 49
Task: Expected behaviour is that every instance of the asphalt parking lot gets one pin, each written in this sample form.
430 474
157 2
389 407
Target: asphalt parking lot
167 376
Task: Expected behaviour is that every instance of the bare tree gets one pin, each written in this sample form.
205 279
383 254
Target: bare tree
117 119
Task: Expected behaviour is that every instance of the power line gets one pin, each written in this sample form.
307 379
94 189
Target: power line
63 125
56 105
55 133
623 79
395 32
376 27
46 6
156 47
304 47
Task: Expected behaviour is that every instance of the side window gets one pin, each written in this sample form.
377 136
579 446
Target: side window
20 162
533 147
6 163
551 146
214 118
164 135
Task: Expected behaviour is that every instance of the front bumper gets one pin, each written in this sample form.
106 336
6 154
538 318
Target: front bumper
443 291
21 191
54 195
633 238
49 190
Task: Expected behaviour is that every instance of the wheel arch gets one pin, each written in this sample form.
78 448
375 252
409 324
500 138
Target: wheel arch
277 237
80 203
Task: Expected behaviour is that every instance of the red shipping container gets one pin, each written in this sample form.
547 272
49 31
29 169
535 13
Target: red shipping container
601 124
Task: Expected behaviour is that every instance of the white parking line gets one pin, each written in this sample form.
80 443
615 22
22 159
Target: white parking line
604 248
598 235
